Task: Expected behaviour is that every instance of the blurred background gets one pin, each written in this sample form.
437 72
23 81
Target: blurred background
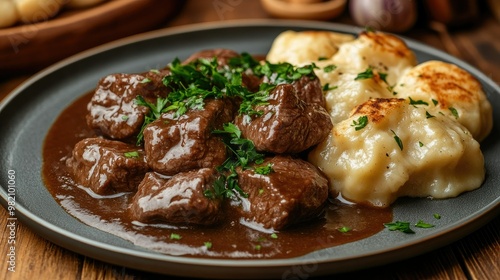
37 33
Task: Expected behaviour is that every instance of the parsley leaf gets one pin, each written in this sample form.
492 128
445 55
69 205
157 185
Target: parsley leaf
399 226
344 229
243 154
327 87
454 112
360 123
417 102
367 74
132 154
329 68
264 170
383 77
398 140
422 224
175 236
155 112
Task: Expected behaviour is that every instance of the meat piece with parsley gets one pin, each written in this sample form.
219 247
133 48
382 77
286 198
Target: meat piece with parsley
287 124
226 59
176 200
113 111
107 166
175 143
282 191
310 91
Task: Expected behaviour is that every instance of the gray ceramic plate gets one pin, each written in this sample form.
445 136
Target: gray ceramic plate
28 113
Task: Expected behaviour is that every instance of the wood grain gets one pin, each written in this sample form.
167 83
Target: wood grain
476 256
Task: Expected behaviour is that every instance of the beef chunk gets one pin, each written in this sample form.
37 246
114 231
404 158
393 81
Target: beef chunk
174 145
287 125
178 200
112 109
310 90
107 166
295 191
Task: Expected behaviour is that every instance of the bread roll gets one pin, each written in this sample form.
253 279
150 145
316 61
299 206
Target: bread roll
8 13
38 10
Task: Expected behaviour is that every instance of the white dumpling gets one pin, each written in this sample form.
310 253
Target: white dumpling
451 91
344 91
400 151
299 48
8 13
383 52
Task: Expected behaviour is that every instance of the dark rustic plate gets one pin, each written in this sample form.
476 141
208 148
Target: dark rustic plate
29 112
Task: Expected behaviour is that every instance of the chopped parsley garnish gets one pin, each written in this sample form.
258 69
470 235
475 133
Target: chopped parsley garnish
422 224
327 87
383 77
155 112
435 102
420 144
132 154
175 236
243 154
454 112
329 68
417 102
264 170
367 74
399 226
436 216
428 115
207 244
369 28
398 140
344 229
274 236
145 81
360 123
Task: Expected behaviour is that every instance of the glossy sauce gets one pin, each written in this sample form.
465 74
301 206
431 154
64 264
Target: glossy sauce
230 239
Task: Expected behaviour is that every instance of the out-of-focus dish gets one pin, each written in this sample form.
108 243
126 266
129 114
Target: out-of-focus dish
32 46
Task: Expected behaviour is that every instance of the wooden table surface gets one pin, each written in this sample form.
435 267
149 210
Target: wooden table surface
474 257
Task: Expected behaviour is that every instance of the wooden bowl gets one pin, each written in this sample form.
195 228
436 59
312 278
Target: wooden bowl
31 47
304 9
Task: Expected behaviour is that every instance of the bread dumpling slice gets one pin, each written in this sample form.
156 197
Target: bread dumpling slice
449 90
389 148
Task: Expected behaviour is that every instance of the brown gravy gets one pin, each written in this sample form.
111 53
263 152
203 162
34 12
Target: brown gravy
231 239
